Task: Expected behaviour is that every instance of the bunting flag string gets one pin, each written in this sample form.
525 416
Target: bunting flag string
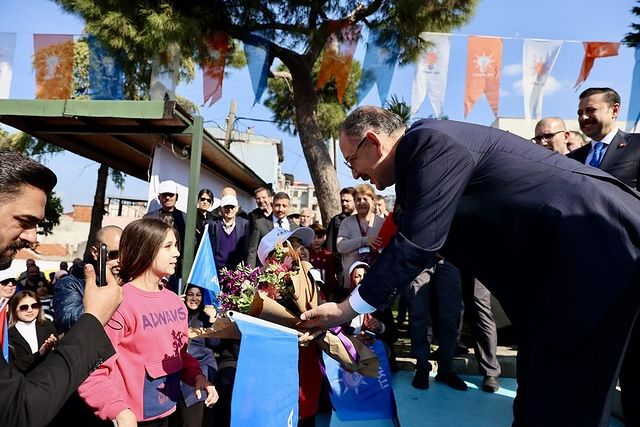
484 60
53 62
538 59
7 51
431 72
593 50
106 76
53 65
213 67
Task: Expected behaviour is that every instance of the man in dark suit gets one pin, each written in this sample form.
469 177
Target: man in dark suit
229 235
617 153
488 201
611 149
261 226
171 215
35 398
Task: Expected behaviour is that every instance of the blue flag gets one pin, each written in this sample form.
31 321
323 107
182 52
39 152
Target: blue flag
377 68
633 116
265 391
256 50
106 77
203 271
358 398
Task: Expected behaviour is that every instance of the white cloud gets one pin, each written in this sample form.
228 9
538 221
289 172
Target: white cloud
512 70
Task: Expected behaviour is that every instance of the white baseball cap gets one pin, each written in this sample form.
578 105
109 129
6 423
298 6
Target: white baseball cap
168 186
279 235
7 274
357 264
228 200
316 275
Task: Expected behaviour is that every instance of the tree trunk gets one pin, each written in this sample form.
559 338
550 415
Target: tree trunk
97 211
323 175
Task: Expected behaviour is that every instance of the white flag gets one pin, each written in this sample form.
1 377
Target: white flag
7 50
538 59
165 69
431 73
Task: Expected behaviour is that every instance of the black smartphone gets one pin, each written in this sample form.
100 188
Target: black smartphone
101 274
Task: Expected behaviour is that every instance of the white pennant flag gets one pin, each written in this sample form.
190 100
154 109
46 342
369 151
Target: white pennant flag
538 59
165 70
7 51
431 73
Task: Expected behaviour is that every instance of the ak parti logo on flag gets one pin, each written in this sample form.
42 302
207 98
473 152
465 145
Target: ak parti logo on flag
484 59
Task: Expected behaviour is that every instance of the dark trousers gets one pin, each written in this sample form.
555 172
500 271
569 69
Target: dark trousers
224 385
445 285
573 379
477 306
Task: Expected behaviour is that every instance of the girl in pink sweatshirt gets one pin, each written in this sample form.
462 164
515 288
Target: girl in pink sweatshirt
141 382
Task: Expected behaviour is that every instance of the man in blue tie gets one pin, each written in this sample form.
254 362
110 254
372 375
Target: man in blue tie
617 153
611 149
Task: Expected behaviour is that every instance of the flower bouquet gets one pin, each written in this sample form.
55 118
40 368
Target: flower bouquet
279 292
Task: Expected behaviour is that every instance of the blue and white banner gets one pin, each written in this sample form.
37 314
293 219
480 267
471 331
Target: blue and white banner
358 398
7 51
265 391
378 66
203 271
106 76
256 50
633 118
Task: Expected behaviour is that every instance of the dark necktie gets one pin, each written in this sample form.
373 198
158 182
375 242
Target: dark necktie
596 159
280 223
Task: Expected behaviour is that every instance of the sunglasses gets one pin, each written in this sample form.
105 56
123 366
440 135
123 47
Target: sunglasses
8 282
204 199
113 254
545 136
168 194
25 307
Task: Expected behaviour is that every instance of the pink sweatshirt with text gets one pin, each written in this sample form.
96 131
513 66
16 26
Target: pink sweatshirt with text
150 334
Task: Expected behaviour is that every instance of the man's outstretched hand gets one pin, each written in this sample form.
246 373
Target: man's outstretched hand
327 315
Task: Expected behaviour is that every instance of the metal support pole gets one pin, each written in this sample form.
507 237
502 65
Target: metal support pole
194 182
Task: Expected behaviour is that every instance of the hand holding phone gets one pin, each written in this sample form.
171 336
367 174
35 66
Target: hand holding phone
101 276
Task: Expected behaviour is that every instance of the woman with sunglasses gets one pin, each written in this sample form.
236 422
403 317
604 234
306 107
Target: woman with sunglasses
205 212
31 336
149 331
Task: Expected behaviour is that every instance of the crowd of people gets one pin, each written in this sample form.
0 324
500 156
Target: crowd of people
474 207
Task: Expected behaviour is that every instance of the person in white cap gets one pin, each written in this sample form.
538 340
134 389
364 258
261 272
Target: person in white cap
279 235
229 235
171 215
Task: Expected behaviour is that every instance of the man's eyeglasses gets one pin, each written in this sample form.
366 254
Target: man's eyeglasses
8 282
111 255
546 136
25 307
204 199
348 159
168 194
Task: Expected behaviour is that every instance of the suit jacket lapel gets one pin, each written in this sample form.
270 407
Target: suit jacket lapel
581 153
614 151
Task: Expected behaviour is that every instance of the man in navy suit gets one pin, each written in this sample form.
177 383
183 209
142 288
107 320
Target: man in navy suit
261 226
611 149
557 242
617 153
229 235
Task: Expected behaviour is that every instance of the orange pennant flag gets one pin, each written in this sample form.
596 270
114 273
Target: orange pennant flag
484 60
593 50
53 62
213 67
336 59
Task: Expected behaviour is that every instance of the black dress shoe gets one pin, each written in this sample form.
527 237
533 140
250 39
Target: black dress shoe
490 384
421 379
452 380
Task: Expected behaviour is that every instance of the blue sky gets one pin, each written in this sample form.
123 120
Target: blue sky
570 20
